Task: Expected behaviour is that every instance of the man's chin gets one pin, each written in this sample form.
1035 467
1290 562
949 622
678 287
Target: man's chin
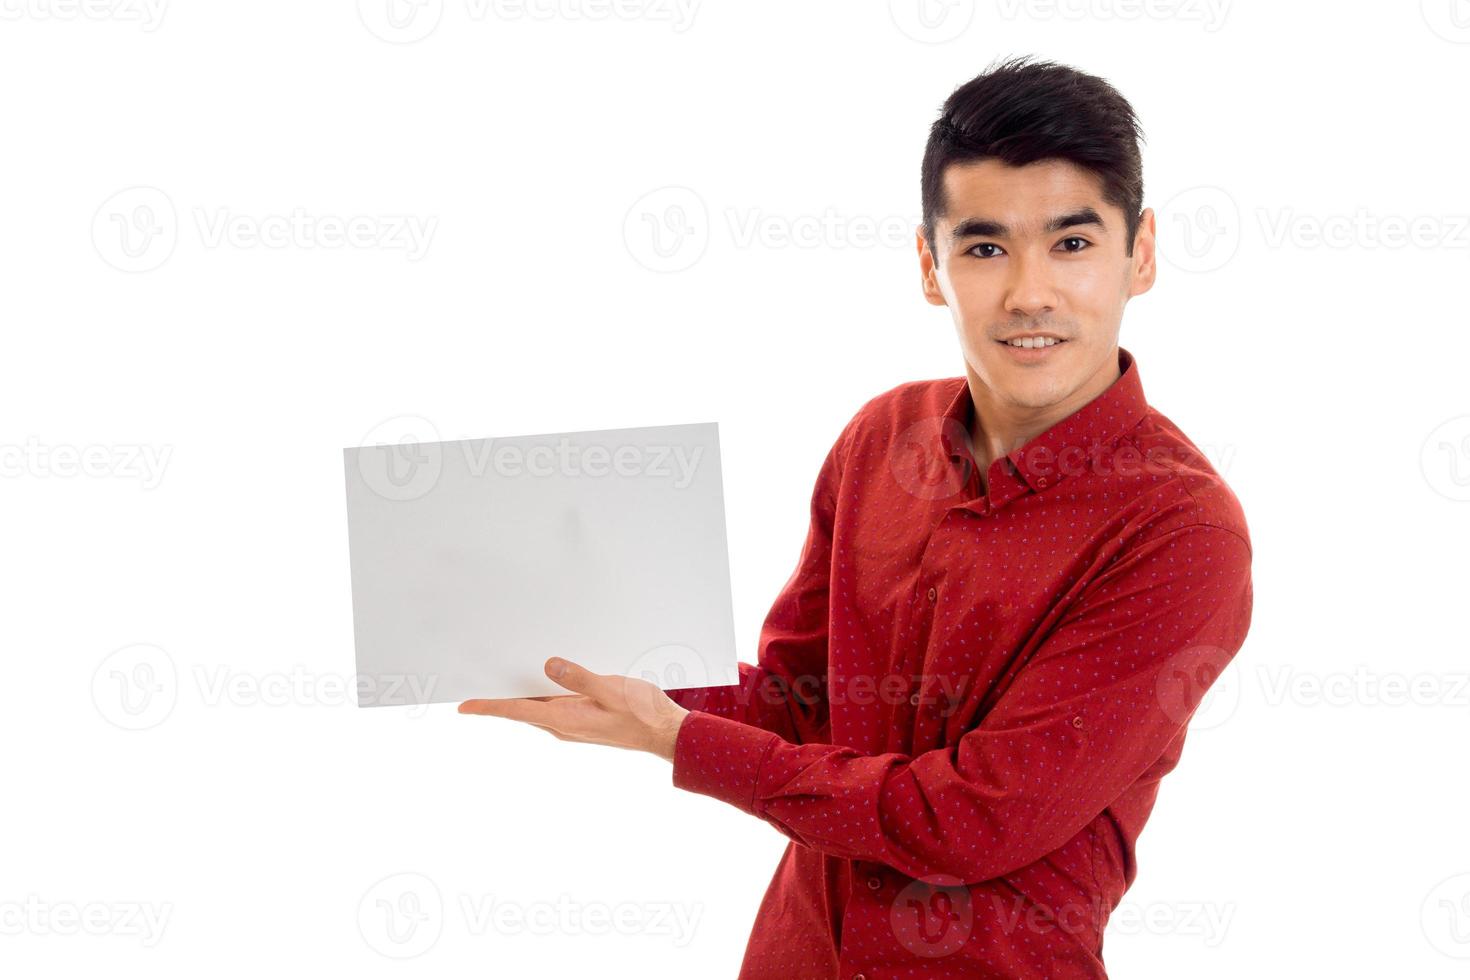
1031 386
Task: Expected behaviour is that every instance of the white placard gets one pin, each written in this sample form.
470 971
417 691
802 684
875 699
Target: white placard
474 560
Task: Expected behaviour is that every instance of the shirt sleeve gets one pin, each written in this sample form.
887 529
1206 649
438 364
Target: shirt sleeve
785 692
1097 705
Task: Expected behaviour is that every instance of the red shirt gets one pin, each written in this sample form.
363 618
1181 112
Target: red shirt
964 702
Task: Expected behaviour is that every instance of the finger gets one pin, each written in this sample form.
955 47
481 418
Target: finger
516 709
575 677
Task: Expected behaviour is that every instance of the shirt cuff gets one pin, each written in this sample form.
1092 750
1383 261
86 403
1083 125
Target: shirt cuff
721 758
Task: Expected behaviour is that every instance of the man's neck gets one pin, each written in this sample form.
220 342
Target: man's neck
997 429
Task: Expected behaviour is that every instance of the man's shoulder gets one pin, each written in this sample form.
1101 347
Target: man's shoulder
909 401
1194 475
895 410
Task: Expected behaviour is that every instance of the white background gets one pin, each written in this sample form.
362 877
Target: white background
1317 820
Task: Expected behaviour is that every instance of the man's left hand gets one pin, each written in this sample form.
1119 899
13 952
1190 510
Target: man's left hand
604 709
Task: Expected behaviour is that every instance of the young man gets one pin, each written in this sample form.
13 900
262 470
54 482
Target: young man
1016 589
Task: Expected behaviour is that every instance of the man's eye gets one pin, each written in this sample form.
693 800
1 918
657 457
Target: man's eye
986 255
1081 244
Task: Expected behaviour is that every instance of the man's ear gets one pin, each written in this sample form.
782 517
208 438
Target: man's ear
928 270
1145 266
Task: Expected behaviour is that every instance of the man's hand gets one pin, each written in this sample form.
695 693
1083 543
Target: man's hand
605 709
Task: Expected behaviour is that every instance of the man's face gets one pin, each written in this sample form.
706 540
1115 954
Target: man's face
1035 249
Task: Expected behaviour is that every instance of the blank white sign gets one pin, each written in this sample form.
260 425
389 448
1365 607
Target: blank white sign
474 560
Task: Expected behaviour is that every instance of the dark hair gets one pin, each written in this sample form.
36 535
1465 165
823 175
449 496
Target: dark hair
1021 111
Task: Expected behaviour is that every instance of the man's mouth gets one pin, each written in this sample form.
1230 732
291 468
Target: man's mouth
1031 343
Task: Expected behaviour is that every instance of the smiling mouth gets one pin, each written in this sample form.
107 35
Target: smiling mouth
1031 344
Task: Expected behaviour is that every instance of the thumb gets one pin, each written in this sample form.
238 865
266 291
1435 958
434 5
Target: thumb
575 677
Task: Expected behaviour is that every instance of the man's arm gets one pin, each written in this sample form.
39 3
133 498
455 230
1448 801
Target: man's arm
1094 708
785 691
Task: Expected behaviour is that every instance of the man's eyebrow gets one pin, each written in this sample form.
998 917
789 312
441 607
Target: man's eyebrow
985 228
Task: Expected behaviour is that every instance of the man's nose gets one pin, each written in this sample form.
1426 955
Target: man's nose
1029 291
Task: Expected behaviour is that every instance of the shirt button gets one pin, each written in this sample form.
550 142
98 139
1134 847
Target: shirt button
1041 481
875 882
1077 722
933 593
858 976
914 698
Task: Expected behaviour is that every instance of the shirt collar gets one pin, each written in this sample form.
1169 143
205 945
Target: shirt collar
1064 449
